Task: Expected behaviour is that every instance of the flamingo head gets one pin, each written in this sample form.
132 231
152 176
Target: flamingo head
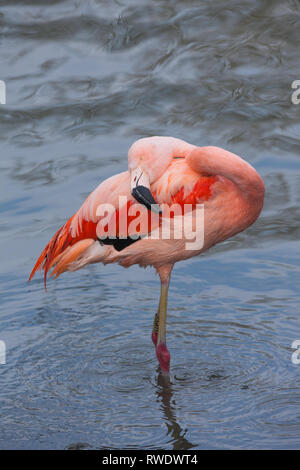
148 159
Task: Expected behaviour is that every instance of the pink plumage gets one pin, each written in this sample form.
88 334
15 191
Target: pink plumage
173 172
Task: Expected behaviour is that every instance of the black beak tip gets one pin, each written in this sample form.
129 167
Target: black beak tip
143 195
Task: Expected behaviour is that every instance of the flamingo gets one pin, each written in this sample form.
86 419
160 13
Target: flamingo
161 171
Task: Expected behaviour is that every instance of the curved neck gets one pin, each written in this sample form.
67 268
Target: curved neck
217 161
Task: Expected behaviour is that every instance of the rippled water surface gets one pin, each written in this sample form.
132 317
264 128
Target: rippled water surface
84 80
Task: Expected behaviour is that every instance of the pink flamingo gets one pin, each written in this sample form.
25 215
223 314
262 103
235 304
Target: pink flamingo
161 170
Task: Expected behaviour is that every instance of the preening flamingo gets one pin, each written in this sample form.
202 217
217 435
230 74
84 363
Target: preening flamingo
161 171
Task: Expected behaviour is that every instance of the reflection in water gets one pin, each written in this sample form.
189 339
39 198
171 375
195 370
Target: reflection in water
168 406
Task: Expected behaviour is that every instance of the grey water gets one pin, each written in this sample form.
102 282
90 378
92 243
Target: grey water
83 81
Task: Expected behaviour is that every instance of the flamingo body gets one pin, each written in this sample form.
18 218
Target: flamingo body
179 173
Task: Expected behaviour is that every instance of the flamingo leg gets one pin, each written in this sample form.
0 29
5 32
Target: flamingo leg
160 320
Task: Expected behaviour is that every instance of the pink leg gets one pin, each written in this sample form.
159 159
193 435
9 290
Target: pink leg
154 337
159 341
163 357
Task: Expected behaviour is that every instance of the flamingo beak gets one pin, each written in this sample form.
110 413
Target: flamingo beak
140 190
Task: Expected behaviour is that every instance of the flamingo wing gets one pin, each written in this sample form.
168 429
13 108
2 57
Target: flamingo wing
180 185
66 243
80 231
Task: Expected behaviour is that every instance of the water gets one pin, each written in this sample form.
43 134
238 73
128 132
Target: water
84 80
